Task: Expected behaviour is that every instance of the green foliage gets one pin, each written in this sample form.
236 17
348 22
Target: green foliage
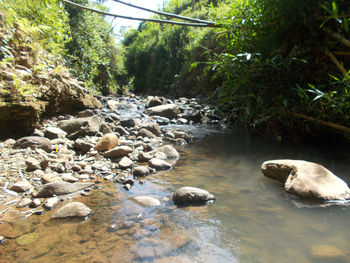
267 61
92 52
44 21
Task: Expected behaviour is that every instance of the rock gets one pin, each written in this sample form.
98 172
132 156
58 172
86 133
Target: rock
169 151
18 118
55 133
50 178
121 130
159 164
193 115
85 113
125 163
34 142
24 202
60 188
152 127
51 202
145 133
118 152
82 145
180 134
161 120
129 123
160 155
144 157
105 128
27 239
21 186
191 195
146 201
78 127
73 209
107 142
182 121
9 143
327 252
307 179
169 111
35 203
32 164
69 178
153 101
141 171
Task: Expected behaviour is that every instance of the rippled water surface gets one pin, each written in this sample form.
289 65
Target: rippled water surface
252 220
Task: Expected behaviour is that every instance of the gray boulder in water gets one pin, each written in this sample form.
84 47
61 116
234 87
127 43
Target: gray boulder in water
307 179
191 195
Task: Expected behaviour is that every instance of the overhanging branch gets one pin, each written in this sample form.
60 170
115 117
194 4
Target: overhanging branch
167 14
161 21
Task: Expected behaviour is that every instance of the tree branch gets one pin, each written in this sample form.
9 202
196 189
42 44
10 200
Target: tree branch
324 123
337 63
167 14
161 21
337 36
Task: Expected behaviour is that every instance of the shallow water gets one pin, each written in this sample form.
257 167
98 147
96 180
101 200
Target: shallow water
252 220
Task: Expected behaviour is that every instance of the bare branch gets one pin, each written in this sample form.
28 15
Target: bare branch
324 123
337 36
167 14
337 63
161 21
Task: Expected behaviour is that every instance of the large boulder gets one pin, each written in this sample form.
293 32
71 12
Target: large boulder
191 195
78 127
73 209
307 179
168 110
60 188
34 142
107 142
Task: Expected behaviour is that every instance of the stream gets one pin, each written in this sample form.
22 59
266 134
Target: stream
252 220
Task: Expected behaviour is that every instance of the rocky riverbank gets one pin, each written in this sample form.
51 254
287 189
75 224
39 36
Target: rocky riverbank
69 156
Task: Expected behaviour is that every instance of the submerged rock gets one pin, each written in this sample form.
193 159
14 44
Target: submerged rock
324 252
146 201
191 195
27 239
73 209
307 179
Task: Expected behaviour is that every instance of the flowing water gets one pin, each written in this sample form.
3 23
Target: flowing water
252 220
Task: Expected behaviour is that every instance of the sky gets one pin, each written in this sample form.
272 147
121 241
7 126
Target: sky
119 9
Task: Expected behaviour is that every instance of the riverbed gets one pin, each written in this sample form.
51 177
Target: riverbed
252 220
